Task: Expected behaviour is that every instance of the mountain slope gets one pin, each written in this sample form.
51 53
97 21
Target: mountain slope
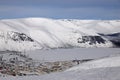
114 38
99 26
112 61
15 41
50 33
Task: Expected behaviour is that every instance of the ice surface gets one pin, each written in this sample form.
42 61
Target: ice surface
72 54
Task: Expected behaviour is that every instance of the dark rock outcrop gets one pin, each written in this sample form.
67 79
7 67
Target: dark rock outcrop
91 40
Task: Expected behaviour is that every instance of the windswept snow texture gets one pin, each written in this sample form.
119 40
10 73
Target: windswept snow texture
50 33
107 68
99 26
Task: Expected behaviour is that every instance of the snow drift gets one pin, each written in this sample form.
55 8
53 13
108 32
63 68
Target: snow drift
112 61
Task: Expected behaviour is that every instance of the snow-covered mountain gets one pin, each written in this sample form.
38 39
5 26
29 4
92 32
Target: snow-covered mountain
16 41
99 26
114 38
41 33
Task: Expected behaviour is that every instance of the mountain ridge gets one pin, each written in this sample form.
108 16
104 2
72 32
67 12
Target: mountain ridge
51 33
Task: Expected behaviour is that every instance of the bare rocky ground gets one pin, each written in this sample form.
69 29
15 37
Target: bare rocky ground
19 64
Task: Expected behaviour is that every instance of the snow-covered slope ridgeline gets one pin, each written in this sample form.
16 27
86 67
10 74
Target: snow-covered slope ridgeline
16 42
48 33
100 26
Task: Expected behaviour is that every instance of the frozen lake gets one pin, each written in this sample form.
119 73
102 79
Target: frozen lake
72 54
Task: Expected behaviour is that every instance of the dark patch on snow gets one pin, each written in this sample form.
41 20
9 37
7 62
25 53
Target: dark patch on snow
91 39
117 43
114 38
114 35
20 37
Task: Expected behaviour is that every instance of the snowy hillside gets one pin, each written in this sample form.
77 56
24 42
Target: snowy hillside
101 63
50 33
15 41
114 38
107 68
99 26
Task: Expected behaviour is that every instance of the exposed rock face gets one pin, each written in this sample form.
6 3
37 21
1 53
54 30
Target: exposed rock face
92 40
16 41
114 38
19 36
16 36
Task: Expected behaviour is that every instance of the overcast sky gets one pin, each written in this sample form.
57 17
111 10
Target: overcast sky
71 9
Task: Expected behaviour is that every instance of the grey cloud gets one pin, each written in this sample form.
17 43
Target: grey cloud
81 13
62 3
60 8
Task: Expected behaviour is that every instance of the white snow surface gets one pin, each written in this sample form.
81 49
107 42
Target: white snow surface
107 68
101 63
51 33
53 55
99 26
